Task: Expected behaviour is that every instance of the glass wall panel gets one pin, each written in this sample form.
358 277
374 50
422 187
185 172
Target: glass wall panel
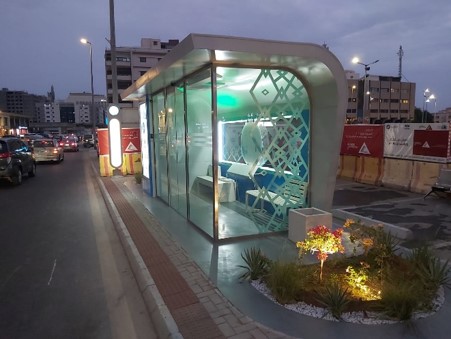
160 132
263 149
176 149
199 146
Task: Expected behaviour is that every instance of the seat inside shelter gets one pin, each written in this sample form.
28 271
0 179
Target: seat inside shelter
236 132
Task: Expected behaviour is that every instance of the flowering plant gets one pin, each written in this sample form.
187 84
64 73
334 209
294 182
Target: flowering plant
322 240
360 235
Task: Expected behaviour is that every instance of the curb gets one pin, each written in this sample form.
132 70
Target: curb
398 232
162 319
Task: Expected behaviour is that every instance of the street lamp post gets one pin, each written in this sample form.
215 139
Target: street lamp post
366 91
93 116
427 97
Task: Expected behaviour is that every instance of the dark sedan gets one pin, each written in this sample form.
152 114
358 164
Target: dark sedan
69 144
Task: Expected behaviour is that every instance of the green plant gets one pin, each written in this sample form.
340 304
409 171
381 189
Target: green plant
334 298
322 240
361 235
434 274
384 249
420 256
285 281
257 264
400 298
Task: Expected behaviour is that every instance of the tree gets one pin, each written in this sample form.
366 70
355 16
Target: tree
418 116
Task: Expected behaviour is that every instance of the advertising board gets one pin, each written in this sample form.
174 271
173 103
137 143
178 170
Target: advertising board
399 139
363 140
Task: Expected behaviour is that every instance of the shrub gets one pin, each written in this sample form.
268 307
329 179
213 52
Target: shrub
334 298
322 240
285 281
434 274
257 264
420 257
401 295
360 235
384 250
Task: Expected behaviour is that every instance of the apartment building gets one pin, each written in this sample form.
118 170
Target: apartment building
379 99
443 115
81 108
132 63
20 102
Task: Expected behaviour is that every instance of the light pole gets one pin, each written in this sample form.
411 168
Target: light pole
427 97
93 117
366 91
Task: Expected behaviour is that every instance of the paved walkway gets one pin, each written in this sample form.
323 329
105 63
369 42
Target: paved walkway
191 293
195 308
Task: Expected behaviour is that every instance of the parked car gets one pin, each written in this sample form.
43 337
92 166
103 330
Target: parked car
69 144
16 159
47 150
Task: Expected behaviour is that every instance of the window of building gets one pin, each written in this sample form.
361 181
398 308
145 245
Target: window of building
124 71
142 59
122 58
404 101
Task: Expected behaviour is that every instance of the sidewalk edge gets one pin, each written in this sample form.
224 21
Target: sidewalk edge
162 319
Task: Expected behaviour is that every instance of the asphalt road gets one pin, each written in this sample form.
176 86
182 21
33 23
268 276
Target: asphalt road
63 272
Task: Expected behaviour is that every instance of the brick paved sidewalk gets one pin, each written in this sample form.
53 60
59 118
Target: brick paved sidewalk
197 307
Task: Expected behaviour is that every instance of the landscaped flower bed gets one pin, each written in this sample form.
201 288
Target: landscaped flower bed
373 282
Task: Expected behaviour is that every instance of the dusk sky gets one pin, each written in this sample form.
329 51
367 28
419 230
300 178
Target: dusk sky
40 39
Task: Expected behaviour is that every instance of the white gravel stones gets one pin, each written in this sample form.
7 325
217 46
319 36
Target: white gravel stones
371 318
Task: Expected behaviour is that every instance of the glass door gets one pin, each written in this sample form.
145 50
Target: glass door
176 150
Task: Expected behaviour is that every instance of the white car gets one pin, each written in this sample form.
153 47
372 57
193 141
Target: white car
47 150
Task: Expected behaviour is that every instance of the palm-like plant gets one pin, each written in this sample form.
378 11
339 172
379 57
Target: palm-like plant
257 264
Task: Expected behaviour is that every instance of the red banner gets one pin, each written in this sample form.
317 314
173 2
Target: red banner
363 140
102 135
131 140
431 143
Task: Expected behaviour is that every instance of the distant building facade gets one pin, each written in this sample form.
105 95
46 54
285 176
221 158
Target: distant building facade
20 102
81 108
71 115
388 99
13 123
443 115
131 64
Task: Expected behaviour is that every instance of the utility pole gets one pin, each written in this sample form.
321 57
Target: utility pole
114 114
113 53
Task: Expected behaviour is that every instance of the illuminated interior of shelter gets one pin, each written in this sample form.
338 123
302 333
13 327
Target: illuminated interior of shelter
229 146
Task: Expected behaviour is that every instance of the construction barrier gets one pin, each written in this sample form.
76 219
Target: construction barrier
369 170
397 173
106 170
131 163
424 175
348 164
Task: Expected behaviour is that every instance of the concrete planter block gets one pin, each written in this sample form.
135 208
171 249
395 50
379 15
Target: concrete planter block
301 220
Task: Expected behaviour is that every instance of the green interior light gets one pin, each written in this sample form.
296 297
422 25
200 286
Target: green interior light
225 100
